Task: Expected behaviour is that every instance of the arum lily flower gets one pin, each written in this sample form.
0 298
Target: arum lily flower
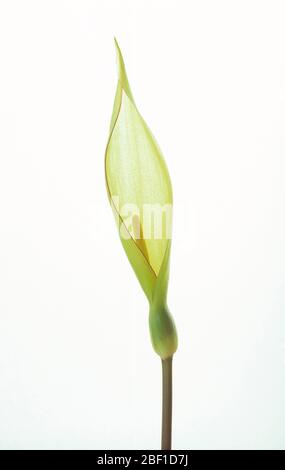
140 193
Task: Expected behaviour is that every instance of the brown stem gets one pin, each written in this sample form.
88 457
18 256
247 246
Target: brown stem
166 403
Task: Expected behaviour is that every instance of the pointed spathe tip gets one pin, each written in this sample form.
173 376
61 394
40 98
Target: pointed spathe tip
116 42
120 61
122 71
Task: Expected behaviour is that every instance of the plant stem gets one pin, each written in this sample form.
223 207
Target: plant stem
166 403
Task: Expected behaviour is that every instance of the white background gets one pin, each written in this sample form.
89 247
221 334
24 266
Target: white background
76 366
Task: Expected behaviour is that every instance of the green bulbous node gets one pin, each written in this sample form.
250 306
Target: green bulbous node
162 331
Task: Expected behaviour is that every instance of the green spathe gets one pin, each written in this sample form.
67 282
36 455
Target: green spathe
137 173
